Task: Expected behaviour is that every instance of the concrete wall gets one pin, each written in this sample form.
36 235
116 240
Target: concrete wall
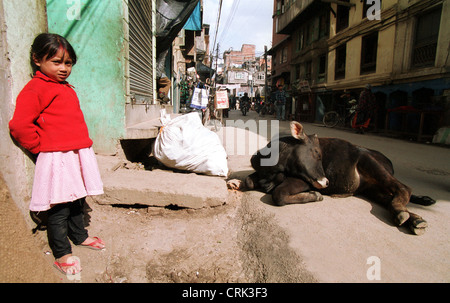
96 30
20 22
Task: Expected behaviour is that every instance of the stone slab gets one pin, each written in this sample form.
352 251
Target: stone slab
158 187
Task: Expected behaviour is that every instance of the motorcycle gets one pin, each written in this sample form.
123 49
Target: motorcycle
267 109
244 107
259 105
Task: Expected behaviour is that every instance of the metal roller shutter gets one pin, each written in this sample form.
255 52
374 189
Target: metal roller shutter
141 47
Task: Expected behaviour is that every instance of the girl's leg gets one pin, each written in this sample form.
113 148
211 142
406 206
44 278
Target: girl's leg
57 230
76 230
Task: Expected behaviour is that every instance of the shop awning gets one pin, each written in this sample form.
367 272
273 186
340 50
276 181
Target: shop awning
194 23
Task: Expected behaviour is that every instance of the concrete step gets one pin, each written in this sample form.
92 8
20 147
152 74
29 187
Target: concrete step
158 187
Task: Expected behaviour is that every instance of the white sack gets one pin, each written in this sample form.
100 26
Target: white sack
185 144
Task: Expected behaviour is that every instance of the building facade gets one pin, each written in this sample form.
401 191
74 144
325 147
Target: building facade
398 47
244 72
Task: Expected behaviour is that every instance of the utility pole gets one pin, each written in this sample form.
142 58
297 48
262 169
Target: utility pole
217 58
265 76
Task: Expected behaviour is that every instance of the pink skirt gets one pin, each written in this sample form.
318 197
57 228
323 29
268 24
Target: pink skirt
61 177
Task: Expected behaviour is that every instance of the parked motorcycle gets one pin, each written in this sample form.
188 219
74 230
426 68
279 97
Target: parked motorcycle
267 109
259 105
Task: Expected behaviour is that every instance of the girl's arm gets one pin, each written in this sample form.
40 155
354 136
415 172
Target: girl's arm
22 125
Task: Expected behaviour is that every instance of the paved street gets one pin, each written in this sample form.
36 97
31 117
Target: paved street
353 240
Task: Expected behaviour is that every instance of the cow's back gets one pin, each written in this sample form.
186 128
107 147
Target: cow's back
282 146
340 162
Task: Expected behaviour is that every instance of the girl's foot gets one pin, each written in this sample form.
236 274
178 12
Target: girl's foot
93 243
68 264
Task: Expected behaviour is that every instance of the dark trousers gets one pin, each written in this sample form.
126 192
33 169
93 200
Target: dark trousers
66 221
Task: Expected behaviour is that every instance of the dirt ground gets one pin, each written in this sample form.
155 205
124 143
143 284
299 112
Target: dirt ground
143 245
229 243
21 253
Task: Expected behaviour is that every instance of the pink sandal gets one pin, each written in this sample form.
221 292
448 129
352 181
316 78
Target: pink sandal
75 264
93 244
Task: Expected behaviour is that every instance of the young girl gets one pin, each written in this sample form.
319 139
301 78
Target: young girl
48 121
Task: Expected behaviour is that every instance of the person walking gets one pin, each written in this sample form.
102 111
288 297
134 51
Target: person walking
280 103
365 109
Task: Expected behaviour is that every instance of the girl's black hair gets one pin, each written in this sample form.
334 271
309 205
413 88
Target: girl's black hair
47 45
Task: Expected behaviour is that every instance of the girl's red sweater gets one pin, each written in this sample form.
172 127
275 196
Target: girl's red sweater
48 117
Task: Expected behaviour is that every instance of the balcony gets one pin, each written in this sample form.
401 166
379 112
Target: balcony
286 18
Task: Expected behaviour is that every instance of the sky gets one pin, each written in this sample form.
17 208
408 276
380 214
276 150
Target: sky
241 22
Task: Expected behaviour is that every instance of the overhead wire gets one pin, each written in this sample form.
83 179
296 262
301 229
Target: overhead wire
217 24
229 21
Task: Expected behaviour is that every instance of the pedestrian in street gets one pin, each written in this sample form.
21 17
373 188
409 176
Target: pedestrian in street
48 121
233 102
365 109
280 103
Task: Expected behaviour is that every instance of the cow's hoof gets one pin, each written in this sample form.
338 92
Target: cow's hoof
422 200
418 226
235 184
418 231
248 183
402 217
420 223
318 195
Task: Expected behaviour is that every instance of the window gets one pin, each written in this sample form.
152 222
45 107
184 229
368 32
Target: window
324 25
342 17
239 76
300 39
313 30
278 8
308 70
308 33
339 68
369 47
322 68
283 57
425 44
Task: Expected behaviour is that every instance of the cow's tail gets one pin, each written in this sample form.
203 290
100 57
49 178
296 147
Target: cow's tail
422 200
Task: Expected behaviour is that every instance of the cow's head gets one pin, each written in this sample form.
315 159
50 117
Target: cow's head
307 158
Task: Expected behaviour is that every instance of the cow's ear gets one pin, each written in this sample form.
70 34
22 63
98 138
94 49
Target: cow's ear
297 130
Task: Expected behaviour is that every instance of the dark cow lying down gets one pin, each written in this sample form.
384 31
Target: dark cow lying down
309 166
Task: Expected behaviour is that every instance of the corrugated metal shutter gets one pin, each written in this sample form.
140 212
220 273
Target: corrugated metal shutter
141 47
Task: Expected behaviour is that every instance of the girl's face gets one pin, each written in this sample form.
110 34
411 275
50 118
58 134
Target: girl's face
58 67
